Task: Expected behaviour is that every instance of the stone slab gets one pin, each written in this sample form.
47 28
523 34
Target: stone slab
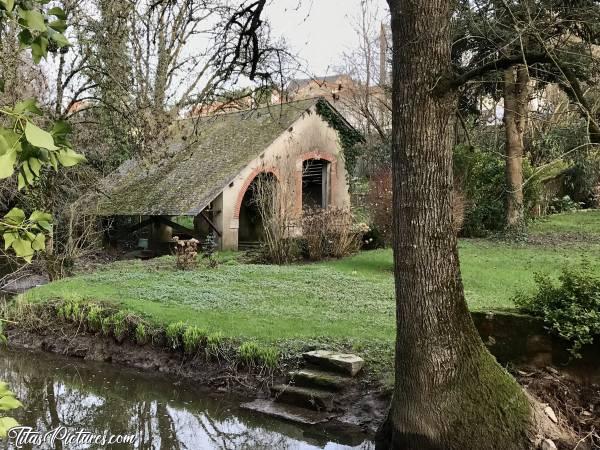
320 379
340 362
305 397
290 413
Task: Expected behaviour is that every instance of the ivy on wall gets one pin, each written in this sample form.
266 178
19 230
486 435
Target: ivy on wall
349 137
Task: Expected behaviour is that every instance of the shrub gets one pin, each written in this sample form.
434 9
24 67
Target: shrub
174 333
458 210
94 318
331 232
106 325
209 248
120 325
275 209
564 204
192 339
570 309
252 355
141 334
583 177
480 177
214 342
373 239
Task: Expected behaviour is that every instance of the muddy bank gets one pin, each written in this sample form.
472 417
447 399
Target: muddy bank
358 412
571 389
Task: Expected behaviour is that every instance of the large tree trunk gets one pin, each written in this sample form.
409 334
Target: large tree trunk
449 391
516 100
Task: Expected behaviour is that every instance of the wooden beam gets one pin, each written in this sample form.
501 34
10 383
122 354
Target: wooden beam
176 226
210 224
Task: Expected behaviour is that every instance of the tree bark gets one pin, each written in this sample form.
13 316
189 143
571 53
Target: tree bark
449 391
516 100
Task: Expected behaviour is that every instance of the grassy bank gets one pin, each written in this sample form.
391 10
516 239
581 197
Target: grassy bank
349 302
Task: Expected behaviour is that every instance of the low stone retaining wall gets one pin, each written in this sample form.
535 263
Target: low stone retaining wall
520 339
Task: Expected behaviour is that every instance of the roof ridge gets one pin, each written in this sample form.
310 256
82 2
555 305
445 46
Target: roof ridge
250 110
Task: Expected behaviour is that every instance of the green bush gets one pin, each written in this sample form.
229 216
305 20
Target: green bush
193 338
564 204
106 325
269 357
252 354
248 353
94 318
570 309
214 342
480 175
76 312
174 333
141 334
71 311
120 324
64 311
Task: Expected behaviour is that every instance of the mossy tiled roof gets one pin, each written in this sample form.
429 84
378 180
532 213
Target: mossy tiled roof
204 156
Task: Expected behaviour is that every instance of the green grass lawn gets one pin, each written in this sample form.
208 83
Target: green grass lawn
579 222
350 300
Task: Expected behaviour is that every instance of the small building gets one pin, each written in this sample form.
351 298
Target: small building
208 169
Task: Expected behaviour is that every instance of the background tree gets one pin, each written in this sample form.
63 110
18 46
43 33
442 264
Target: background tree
367 101
539 44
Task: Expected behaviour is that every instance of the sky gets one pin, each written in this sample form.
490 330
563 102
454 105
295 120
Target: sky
319 31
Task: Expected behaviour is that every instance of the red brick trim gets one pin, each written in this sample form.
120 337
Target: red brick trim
318 155
248 182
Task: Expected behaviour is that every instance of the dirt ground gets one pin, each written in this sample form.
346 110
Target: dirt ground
573 396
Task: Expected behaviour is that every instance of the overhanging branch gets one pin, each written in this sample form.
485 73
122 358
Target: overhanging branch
456 80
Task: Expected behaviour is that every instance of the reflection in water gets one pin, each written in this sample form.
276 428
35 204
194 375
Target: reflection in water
161 414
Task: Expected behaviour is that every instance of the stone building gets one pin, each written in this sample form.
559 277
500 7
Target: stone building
208 171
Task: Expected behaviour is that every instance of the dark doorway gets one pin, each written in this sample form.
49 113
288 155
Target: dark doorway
315 189
251 231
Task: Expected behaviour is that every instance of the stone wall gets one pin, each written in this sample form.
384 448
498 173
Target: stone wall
520 339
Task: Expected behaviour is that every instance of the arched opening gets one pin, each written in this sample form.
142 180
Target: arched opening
251 230
315 184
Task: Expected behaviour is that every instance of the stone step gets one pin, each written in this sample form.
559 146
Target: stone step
340 362
305 397
287 412
319 379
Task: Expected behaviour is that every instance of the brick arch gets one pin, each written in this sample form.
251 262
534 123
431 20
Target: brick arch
256 172
318 155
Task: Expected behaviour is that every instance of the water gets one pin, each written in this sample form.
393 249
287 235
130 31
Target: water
162 413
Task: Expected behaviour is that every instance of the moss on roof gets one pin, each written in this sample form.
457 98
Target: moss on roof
203 157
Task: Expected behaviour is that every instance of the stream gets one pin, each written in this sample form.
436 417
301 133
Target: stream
160 412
